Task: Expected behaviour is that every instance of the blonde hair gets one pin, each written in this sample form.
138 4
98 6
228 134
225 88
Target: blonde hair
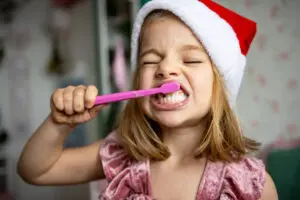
221 141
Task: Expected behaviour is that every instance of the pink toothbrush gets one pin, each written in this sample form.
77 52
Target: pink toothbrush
164 89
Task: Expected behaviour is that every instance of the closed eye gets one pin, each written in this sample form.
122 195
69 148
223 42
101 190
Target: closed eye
150 63
193 62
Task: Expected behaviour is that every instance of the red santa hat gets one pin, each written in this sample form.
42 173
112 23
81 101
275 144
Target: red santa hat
226 35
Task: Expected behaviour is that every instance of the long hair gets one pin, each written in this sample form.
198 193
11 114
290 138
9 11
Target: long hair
222 139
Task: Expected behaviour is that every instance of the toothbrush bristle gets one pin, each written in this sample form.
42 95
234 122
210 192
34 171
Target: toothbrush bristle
170 87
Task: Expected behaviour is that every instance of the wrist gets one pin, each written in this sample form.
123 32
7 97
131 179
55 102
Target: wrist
60 127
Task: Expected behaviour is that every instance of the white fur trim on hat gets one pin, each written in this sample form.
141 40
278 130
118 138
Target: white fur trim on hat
215 34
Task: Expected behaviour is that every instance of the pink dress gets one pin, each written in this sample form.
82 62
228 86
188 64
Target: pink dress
130 180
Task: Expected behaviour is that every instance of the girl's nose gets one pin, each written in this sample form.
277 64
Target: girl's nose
166 71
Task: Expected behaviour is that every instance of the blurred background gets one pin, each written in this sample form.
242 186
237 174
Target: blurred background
46 44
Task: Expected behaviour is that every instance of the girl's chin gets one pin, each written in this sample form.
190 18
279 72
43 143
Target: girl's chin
177 119
170 121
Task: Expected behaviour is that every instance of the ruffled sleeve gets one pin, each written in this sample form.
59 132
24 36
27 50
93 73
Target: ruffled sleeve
243 180
127 178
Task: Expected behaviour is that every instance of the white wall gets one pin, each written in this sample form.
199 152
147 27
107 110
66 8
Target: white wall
33 19
269 100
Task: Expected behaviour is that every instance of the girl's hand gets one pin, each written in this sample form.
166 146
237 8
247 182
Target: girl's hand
74 105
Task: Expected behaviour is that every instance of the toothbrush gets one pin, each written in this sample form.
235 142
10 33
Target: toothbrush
164 89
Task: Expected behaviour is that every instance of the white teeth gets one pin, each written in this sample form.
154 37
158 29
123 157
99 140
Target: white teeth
175 97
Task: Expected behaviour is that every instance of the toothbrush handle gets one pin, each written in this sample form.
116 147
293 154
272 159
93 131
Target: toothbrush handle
110 98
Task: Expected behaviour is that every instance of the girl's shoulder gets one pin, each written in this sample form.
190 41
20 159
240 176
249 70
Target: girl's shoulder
243 179
113 156
247 177
126 177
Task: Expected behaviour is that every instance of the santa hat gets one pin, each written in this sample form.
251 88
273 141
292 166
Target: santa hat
226 35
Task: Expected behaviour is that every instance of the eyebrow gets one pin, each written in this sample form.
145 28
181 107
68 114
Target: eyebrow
154 51
184 48
192 47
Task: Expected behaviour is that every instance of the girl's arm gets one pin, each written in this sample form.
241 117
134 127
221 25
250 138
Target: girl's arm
44 161
269 192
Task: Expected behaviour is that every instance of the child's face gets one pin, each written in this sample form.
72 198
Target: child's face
170 51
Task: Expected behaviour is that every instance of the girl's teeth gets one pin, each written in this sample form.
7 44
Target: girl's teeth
172 98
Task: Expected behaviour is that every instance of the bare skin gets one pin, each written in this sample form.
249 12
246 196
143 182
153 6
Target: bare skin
43 160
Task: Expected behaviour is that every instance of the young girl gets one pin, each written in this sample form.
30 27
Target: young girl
185 145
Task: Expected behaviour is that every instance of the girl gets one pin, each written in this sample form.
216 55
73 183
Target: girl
185 145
